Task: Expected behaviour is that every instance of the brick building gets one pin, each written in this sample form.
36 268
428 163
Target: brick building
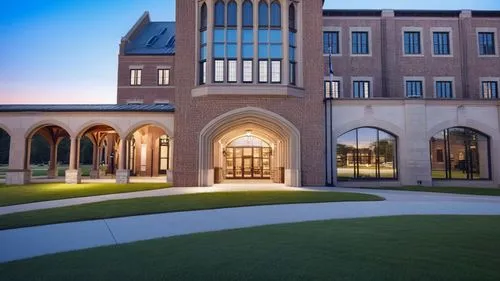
287 92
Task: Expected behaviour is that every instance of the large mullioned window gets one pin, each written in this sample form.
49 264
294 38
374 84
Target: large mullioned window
460 154
367 153
260 57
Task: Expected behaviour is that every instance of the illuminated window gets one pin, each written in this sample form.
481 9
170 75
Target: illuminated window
332 89
163 77
231 71
263 69
361 89
135 77
489 90
247 71
219 71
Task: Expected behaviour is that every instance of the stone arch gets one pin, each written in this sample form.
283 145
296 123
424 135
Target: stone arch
471 124
6 129
44 123
136 126
269 121
85 127
373 123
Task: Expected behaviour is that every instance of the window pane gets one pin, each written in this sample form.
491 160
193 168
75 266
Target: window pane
263 14
276 71
275 14
275 36
231 13
367 158
276 51
231 71
231 36
219 71
219 13
219 50
263 69
414 89
346 155
247 71
360 44
247 13
263 50
231 50
247 35
387 155
263 36
247 51
219 35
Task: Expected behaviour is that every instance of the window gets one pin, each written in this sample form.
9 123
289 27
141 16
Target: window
331 42
232 14
164 155
441 43
292 40
163 77
263 68
367 153
276 71
361 89
219 12
135 77
414 89
489 89
203 45
360 43
247 71
275 14
270 43
444 89
219 71
332 89
460 154
231 71
247 14
412 43
263 14
486 43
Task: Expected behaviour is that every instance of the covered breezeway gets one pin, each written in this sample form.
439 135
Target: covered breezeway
121 140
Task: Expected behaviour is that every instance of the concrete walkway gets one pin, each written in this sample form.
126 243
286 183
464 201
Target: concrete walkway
35 241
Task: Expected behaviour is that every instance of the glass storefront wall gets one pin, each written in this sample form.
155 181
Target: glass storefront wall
366 153
460 154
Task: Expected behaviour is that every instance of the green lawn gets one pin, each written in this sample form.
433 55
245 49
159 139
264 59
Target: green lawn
41 171
436 248
12 195
455 190
175 203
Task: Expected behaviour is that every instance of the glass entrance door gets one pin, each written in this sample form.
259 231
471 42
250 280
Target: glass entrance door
248 162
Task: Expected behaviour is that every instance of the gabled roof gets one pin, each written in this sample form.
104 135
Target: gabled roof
155 38
87 108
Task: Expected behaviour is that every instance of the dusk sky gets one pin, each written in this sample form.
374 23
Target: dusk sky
65 51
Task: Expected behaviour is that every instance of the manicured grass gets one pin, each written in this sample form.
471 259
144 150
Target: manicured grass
12 195
41 171
456 190
176 203
433 248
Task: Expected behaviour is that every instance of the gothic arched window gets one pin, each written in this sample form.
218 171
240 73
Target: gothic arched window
263 14
275 14
232 11
219 13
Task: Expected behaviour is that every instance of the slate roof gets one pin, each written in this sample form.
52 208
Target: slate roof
87 108
155 38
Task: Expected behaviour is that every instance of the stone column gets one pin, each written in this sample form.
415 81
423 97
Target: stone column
18 172
73 174
122 174
94 173
52 173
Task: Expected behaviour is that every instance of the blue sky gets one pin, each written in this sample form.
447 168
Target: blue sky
65 51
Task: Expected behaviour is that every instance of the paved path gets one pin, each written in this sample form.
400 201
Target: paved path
35 241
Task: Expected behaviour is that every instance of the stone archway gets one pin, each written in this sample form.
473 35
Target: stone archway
267 124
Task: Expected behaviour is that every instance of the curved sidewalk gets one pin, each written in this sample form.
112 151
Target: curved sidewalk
35 241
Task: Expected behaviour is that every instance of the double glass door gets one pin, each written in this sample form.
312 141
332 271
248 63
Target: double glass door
248 162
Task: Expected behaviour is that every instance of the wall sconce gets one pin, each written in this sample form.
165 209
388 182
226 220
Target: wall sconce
224 152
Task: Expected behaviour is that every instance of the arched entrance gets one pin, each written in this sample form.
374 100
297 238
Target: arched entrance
249 143
48 151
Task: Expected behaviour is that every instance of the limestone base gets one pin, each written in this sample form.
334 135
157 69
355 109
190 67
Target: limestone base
94 174
73 177
52 173
292 178
122 176
18 177
170 176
